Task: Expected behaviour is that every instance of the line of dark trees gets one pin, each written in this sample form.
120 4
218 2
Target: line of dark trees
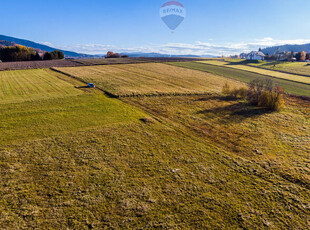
23 53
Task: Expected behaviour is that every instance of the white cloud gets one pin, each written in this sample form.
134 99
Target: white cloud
197 48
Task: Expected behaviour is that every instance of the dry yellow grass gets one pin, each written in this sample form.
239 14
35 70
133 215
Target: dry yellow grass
150 79
286 76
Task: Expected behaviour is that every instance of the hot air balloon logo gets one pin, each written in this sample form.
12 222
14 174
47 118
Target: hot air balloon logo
172 13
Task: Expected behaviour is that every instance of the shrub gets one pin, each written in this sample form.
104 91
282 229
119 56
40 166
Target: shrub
271 100
260 93
116 56
241 92
254 92
113 55
109 54
234 93
226 89
279 103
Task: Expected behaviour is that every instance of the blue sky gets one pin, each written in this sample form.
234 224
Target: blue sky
210 27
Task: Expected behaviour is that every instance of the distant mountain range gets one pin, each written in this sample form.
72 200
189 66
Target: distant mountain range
295 48
9 41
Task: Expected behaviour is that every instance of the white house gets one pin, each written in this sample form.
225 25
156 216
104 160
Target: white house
255 55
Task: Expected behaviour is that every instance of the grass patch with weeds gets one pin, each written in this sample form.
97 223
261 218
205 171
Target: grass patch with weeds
129 176
279 142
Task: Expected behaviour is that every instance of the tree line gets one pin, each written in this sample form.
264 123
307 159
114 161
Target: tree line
23 53
289 56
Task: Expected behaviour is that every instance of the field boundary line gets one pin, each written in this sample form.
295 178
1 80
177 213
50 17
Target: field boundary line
81 80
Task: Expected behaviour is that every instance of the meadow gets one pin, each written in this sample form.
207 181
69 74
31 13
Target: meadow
29 85
278 142
290 87
299 68
149 79
275 74
78 159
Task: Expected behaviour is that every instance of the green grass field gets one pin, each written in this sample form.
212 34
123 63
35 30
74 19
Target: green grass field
245 76
300 68
291 67
53 116
149 79
81 160
30 85
291 77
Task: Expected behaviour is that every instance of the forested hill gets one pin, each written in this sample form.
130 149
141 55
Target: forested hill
6 43
295 48
35 45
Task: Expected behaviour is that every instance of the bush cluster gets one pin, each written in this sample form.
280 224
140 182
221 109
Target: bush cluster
260 93
56 54
110 54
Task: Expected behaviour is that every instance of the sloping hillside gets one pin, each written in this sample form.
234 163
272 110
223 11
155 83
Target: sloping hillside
40 46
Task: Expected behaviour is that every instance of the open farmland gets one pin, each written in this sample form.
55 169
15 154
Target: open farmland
291 77
171 59
135 175
20 65
131 60
299 68
278 142
149 79
290 87
82 160
53 116
29 85
107 61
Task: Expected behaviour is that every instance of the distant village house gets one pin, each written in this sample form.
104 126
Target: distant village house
256 55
